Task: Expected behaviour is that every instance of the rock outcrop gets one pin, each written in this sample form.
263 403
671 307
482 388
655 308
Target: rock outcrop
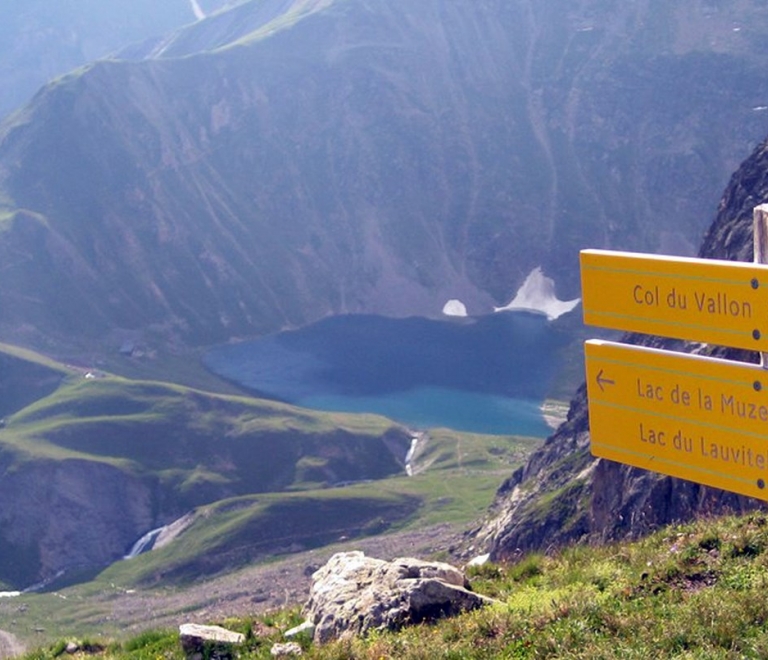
564 495
287 650
60 515
353 594
209 642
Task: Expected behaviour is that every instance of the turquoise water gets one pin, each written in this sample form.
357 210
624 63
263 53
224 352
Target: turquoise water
430 407
487 375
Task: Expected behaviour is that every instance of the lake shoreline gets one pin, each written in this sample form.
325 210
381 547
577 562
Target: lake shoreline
487 376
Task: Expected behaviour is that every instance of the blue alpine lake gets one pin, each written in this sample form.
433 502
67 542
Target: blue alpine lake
487 375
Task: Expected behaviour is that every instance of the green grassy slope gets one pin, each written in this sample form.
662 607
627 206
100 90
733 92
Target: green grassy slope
79 445
252 476
692 591
457 476
188 438
231 534
179 578
25 377
251 479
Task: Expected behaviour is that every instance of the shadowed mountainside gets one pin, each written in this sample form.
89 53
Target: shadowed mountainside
285 161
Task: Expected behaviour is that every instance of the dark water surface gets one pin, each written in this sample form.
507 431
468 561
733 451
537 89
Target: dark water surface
487 374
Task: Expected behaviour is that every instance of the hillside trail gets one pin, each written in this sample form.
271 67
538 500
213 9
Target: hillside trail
10 647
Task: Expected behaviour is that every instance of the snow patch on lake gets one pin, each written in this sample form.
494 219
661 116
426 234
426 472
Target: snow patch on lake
537 294
455 308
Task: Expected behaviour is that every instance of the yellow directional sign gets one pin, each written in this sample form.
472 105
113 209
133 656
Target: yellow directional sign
686 416
720 302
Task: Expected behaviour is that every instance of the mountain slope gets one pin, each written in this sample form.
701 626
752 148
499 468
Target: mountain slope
563 494
90 463
346 156
40 41
95 462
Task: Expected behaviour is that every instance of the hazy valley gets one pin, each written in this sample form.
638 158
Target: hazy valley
223 172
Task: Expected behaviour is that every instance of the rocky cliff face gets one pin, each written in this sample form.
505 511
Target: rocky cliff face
65 515
317 158
563 494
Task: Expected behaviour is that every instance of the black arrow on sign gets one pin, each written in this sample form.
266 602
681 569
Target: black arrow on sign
604 381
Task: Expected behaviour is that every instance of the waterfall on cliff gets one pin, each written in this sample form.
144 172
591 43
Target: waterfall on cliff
144 544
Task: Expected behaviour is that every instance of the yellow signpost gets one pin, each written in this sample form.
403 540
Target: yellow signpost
719 302
687 416
683 415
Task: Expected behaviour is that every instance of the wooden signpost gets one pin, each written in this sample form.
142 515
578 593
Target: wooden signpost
698 418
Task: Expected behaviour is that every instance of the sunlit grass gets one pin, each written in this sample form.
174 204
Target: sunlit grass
35 358
689 591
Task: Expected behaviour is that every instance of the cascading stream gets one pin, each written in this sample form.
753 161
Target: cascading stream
145 543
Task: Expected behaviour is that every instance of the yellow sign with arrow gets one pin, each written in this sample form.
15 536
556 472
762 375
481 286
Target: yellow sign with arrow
687 416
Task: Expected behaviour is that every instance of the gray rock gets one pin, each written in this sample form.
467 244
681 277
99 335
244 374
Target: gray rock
479 560
287 649
210 642
306 627
353 594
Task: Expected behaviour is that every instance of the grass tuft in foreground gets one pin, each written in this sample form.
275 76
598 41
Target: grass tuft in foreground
689 591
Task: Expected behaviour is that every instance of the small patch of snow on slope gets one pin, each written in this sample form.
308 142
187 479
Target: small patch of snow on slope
537 294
